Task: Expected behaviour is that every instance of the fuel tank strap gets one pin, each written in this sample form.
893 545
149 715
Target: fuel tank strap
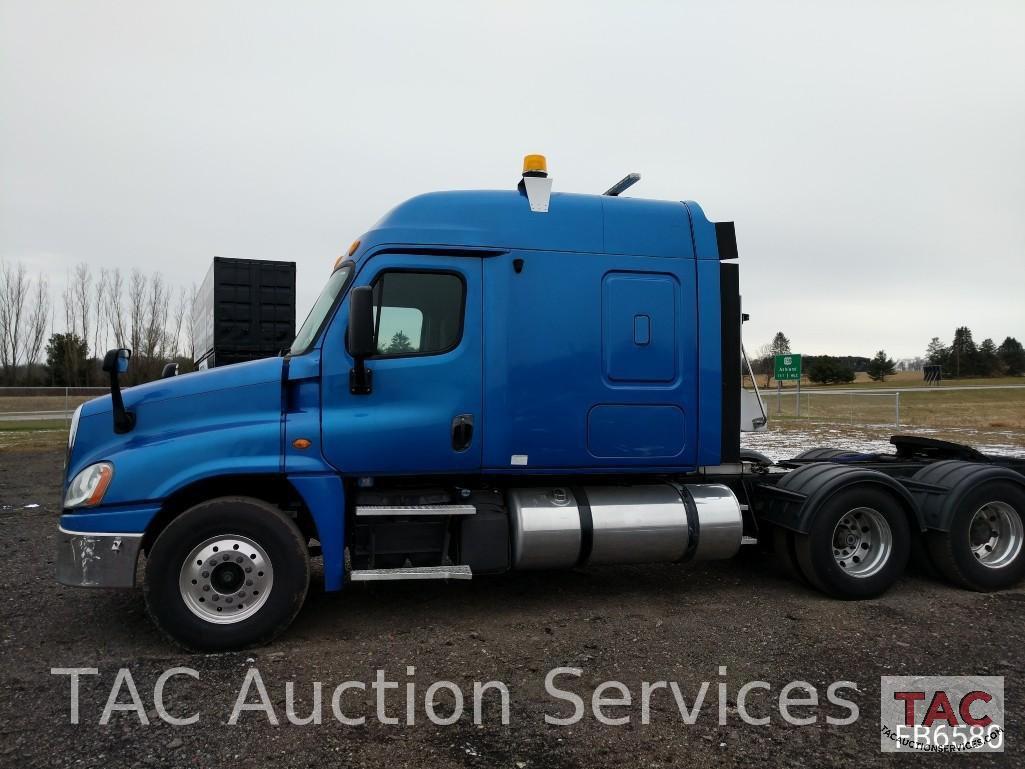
693 524
586 524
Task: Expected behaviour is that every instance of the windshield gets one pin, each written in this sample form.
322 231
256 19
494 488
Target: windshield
321 308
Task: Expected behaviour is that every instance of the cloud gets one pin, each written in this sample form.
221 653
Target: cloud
871 154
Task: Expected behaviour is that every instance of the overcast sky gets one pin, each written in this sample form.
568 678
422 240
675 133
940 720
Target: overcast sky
872 154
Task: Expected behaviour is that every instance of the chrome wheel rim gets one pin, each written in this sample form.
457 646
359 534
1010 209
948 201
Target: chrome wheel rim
226 579
862 542
995 534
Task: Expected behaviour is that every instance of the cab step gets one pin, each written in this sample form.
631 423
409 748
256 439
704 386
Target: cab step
372 510
411 572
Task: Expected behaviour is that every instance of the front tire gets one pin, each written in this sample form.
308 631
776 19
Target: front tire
228 573
858 544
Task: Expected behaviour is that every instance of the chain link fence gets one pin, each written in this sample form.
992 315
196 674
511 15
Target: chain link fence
862 408
27 406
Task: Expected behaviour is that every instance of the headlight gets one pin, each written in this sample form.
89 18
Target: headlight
89 486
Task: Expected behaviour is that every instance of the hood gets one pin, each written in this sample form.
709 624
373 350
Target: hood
222 421
194 383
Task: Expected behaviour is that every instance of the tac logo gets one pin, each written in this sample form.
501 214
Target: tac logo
941 714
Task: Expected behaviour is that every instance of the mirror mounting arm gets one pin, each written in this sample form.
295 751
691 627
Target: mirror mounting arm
361 341
361 378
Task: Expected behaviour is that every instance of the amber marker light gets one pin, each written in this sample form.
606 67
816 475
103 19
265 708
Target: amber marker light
535 165
302 443
106 473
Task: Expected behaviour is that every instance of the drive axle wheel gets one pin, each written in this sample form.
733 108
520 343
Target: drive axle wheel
985 547
225 574
858 544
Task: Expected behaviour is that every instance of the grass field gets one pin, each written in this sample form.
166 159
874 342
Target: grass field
30 436
899 380
977 409
10 403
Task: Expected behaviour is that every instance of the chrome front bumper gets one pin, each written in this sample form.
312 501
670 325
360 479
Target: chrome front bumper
92 559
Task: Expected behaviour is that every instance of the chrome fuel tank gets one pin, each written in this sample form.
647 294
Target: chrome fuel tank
545 528
558 528
637 524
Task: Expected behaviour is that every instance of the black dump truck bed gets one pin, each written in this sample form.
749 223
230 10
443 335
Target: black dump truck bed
245 310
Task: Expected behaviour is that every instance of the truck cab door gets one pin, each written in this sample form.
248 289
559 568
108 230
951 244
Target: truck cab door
423 414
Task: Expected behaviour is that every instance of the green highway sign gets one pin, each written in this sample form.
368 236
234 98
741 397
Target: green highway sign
787 367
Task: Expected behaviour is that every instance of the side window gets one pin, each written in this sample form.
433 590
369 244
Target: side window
418 313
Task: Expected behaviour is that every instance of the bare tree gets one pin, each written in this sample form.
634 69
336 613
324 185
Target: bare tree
80 296
14 289
100 314
761 363
155 338
116 307
35 329
193 297
136 310
178 320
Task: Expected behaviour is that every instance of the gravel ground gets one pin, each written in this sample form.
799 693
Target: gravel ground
630 624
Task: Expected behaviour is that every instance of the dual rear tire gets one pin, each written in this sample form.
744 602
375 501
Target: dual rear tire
985 546
857 545
858 540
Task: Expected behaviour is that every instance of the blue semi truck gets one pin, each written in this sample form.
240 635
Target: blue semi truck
499 380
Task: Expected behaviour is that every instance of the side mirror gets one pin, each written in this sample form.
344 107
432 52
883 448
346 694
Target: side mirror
115 363
361 322
361 338
170 369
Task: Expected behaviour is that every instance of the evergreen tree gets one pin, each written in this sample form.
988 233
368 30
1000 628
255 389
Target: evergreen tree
937 352
825 369
67 359
964 355
1012 356
881 367
780 344
989 361
399 344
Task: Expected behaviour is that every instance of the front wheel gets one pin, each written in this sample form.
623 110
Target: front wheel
858 544
228 573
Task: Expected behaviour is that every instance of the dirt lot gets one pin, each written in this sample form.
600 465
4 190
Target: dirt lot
630 624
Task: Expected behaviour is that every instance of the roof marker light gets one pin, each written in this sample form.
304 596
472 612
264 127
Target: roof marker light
535 165
536 183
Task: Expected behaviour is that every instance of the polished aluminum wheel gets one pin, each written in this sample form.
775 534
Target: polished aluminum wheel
862 542
226 579
996 534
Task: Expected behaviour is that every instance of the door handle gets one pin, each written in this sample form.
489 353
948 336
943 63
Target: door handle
462 432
